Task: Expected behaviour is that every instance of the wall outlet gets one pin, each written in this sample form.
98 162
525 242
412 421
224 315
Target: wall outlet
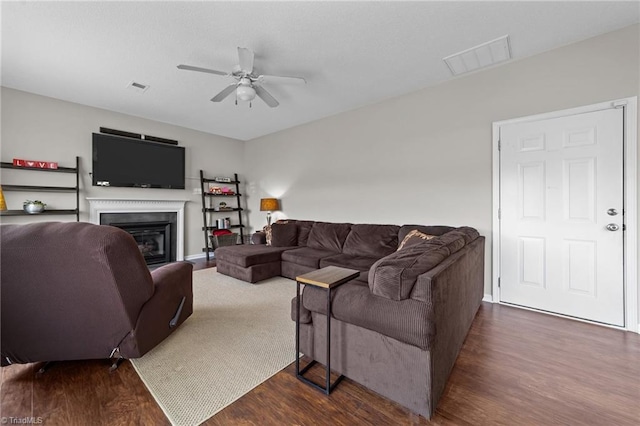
197 191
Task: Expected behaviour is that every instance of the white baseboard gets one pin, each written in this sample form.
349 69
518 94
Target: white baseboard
488 297
195 256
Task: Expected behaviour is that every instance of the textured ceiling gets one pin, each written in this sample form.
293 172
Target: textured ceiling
351 53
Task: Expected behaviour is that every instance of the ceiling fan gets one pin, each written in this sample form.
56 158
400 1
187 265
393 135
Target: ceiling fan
248 83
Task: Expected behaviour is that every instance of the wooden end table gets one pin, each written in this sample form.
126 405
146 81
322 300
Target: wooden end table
327 278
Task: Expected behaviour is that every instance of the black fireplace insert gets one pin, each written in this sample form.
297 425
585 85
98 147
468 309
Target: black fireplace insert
153 238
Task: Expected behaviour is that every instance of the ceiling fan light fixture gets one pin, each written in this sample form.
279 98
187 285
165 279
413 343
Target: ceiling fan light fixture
245 93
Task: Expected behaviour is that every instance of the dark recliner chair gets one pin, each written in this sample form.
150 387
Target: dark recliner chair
72 291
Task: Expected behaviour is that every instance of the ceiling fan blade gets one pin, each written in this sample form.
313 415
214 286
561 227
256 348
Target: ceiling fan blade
266 96
281 79
225 92
207 70
246 59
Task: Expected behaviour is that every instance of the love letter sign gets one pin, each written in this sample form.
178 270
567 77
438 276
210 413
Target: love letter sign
35 164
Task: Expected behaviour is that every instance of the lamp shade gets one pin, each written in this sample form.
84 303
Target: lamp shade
269 204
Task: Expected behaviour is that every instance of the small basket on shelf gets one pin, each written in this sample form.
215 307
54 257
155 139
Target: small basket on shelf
221 240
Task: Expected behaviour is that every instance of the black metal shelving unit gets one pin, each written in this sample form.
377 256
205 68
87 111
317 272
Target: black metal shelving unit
208 210
36 188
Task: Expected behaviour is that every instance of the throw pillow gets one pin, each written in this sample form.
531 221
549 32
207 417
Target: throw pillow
284 234
394 276
414 237
268 234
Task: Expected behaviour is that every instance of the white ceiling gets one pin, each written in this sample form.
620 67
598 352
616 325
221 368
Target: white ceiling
351 53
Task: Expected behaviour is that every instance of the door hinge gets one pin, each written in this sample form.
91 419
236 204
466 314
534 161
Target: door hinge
499 213
498 282
499 145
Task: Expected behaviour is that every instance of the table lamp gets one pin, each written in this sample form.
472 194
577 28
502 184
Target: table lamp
268 205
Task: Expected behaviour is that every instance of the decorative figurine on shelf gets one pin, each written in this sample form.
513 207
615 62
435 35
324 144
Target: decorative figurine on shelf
222 207
215 190
33 207
227 191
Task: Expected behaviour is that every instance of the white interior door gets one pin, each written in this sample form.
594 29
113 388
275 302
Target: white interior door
561 205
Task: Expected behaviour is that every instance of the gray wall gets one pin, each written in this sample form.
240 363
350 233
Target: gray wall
40 128
426 157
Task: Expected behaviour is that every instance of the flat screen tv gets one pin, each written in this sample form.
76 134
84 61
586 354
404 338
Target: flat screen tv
127 162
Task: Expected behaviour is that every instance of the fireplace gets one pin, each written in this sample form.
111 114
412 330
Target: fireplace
153 238
153 231
156 225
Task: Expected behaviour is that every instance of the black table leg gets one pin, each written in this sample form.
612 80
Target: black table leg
328 387
299 374
297 328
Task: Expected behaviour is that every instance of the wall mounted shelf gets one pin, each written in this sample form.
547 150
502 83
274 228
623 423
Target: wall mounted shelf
37 188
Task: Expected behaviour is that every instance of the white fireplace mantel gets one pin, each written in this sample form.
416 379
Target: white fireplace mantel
98 206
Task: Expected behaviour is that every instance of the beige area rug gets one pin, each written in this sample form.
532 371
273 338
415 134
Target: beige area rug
239 335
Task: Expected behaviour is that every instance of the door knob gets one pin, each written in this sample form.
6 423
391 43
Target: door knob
612 227
612 212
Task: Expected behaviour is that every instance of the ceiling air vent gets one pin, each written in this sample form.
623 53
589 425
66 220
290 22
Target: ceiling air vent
481 56
138 87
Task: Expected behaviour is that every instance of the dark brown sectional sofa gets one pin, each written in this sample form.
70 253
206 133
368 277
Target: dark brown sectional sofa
398 327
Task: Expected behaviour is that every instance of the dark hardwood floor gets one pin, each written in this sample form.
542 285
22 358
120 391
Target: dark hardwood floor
203 264
516 368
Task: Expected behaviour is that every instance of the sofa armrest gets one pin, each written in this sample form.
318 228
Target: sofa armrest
172 284
259 238
453 291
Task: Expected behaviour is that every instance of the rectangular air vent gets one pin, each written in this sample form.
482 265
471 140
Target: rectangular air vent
481 56
138 87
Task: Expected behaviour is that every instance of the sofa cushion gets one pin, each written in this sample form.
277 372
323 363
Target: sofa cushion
248 255
284 235
328 236
371 240
361 263
395 275
268 230
306 256
414 237
429 230
304 229
407 320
